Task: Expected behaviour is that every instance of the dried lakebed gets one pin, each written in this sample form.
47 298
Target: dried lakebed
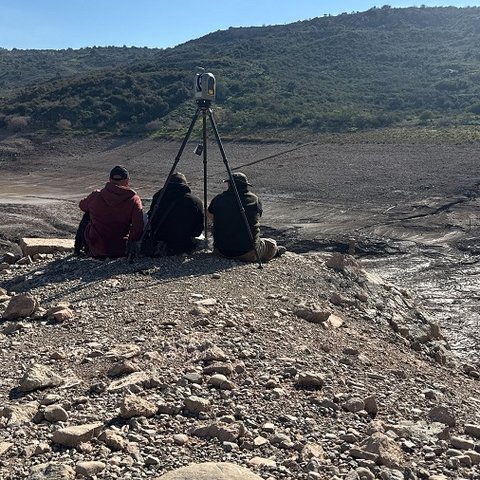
412 209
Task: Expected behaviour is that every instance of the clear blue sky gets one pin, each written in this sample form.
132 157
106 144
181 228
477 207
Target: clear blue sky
157 23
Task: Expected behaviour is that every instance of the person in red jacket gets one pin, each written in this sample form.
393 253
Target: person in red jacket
113 218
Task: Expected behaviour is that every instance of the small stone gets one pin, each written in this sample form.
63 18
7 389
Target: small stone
180 439
199 311
113 440
55 413
151 461
124 367
19 414
269 427
89 469
135 406
220 381
206 302
333 322
371 406
219 367
354 405
362 474
32 246
281 441
10 258
124 352
60 314
473 430
388 452
263 462
442 415
474 456
223 432
130 382
215 354
313 314
312 450
309 379
260 441
5 447
196 404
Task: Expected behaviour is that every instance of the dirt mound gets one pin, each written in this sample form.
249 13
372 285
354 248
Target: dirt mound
310 368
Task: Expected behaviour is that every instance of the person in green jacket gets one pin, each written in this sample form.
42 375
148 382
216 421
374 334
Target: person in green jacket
230 236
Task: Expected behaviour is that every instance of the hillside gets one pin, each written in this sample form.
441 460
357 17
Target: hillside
383 67
25 68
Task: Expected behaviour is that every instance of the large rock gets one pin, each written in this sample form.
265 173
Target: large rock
32 246
39 376
388 452
20 306
74 436
19 414
210 471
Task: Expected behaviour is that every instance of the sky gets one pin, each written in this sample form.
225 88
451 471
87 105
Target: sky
57 24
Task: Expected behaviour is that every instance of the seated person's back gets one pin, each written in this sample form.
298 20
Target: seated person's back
177 220
112 217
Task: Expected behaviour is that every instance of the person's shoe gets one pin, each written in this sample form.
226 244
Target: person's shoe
280 250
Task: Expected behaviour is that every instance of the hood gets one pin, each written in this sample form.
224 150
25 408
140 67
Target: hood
175 190
114 195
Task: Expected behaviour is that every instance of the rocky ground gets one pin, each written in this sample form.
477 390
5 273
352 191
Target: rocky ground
311 368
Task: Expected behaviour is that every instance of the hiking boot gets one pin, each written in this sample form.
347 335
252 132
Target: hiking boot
280 250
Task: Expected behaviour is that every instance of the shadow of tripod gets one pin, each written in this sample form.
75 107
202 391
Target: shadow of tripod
203 108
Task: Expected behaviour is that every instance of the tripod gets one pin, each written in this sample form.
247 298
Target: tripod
204 108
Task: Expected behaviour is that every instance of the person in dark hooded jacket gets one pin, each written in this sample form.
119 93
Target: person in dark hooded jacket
113 218
176 221
230 236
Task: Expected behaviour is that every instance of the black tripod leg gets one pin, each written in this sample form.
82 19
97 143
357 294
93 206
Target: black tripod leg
205 185
234 187
172 171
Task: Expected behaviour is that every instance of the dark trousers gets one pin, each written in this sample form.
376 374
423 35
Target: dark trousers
80 242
